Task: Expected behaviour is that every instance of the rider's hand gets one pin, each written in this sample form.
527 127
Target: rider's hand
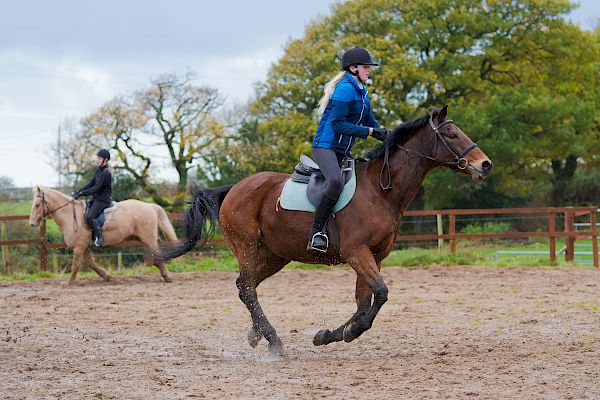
76 195
380 133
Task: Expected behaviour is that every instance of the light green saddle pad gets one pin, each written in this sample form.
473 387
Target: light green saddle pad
293 196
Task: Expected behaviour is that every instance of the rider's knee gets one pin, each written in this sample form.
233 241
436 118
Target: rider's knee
334 187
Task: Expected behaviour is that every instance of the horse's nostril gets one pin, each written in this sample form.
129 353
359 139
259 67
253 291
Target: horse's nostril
486 165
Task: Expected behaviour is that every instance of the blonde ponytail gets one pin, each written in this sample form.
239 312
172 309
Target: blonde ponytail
329 87
110 168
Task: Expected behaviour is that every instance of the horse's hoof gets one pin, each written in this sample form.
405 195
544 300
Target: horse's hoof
71 283
276 348
322 337
348 335
107 279
168 280
254 337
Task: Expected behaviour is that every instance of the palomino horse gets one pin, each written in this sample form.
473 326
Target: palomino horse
265 237
131 218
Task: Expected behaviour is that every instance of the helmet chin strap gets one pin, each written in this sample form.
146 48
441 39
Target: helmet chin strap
356 74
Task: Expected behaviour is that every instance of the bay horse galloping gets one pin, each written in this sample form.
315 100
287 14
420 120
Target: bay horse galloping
131 218
264 237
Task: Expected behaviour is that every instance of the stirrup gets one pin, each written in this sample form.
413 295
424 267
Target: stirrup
98 242
323 237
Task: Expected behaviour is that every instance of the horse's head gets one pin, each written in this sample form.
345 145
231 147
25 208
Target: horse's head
453 148
45 204
37 213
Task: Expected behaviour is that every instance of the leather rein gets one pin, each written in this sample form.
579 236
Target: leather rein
460 162
46 213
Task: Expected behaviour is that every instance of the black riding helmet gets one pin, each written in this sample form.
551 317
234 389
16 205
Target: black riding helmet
103 153
357 55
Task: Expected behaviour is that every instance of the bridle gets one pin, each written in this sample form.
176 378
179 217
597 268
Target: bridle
460 162
46 205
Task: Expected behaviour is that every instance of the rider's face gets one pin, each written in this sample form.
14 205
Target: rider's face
363 72
99 161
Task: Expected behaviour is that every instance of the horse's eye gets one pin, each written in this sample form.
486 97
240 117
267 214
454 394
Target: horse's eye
452 136
37 205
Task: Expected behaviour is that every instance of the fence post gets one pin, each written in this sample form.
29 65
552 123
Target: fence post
569 240
440 231
43 247
551 230
5 267
55 262
451 231
119 261
594 230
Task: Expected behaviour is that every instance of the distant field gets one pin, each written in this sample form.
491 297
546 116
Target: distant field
13 208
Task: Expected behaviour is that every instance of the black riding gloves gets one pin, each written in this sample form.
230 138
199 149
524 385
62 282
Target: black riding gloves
380 133
76 195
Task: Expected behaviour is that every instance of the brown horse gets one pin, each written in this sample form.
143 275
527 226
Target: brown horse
131 218
265 237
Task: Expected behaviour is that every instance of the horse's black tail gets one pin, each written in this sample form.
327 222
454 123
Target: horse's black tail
199 221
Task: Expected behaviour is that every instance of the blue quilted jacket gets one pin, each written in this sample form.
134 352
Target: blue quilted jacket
347 116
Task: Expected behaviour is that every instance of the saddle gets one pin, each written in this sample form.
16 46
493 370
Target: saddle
102 218
308 172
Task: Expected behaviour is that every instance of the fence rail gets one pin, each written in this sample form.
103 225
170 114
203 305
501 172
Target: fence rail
570 233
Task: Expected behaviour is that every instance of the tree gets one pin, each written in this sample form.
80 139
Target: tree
172 118
6 182
520 80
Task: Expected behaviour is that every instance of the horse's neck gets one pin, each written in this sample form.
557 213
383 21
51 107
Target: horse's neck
407 174
62 216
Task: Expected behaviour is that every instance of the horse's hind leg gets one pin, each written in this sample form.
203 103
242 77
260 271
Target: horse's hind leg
163 270
151 246
364 297
250 277
89 259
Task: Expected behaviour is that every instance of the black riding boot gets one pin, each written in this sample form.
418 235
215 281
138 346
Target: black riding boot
97 238
318 239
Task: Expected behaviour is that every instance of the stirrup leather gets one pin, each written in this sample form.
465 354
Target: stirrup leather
322 236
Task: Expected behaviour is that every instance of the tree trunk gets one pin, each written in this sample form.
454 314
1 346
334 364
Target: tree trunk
563 174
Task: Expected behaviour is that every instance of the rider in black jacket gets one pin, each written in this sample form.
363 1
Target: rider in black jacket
100 188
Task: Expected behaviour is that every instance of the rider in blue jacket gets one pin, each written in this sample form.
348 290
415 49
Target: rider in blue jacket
346 115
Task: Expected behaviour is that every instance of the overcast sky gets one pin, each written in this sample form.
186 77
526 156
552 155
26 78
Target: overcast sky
64 58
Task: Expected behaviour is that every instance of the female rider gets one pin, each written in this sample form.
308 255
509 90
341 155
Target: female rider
100 188
346 115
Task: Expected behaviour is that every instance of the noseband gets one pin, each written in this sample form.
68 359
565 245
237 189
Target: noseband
460 162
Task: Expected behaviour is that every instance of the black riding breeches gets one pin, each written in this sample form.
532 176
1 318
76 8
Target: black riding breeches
94 211
329 162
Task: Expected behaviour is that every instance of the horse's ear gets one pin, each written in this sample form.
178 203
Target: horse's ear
443 114
434 112
37 188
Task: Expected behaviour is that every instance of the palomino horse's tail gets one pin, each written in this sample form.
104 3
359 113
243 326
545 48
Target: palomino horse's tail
165 224
199 220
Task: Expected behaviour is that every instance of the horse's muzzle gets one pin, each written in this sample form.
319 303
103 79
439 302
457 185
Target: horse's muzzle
481 171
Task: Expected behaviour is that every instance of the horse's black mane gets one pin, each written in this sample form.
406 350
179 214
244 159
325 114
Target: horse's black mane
399 136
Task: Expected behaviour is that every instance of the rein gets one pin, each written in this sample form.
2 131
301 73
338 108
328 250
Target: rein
460 162
46 214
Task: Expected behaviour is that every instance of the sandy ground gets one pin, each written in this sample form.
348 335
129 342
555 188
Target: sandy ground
446 332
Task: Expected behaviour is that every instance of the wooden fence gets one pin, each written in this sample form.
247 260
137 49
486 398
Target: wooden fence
568 214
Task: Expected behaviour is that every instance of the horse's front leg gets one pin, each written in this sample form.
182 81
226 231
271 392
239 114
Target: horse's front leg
364 297
363 262
77 257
